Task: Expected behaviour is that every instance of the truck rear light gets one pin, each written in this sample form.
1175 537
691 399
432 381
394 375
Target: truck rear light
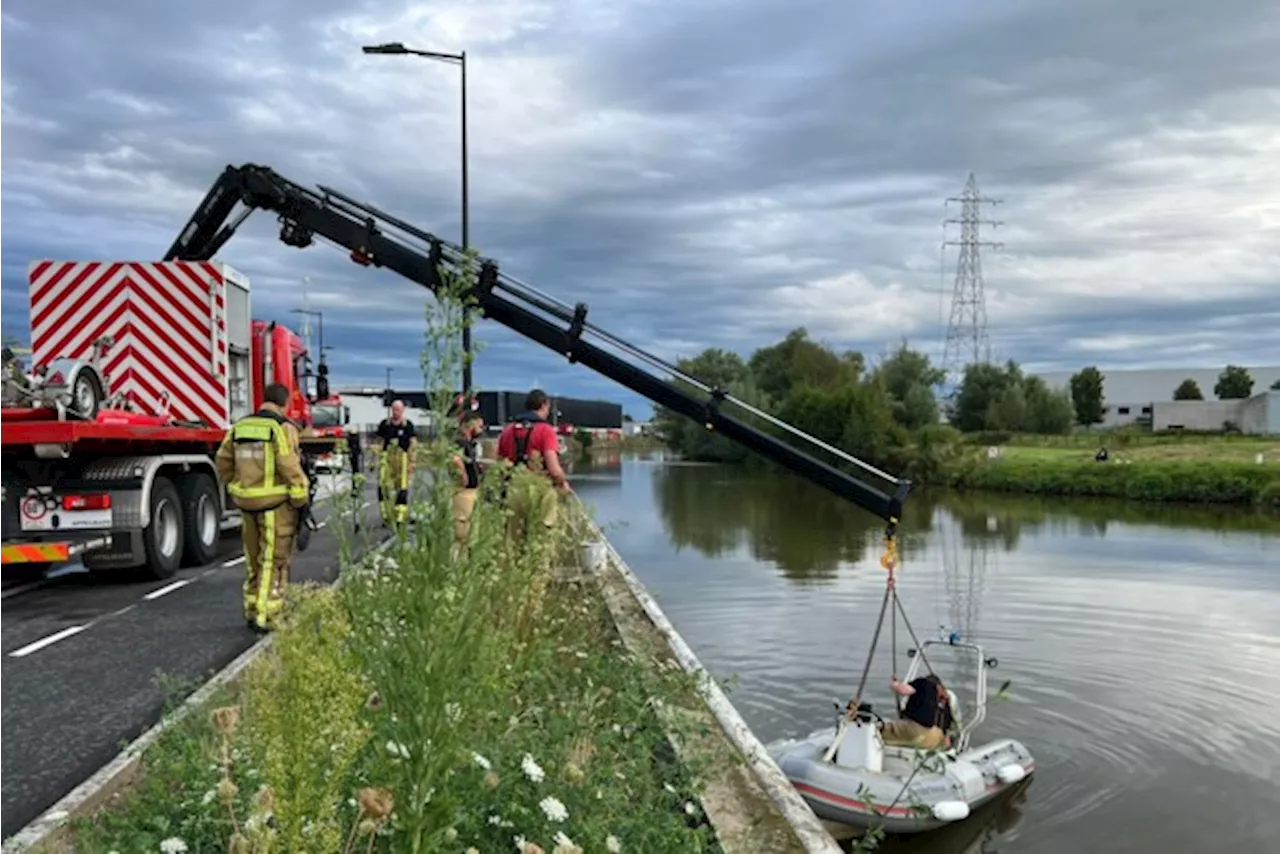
86 502
56 379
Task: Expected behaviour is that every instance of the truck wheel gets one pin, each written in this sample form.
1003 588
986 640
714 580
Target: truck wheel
163 540
201 518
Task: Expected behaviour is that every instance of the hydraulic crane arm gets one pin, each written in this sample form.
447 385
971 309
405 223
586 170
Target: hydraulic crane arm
374 237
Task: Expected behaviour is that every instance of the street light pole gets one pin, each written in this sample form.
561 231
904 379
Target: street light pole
459 59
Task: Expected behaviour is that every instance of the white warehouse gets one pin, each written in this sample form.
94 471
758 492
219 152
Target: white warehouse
1146 396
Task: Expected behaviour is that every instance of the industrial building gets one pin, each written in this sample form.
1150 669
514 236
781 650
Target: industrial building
1145 397
370 405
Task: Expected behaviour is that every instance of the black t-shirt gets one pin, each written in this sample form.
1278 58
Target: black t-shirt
925 707
470 455
396 434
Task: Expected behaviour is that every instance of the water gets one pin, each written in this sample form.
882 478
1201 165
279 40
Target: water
1142 642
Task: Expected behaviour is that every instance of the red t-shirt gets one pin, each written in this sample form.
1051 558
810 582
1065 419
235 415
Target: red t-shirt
542 438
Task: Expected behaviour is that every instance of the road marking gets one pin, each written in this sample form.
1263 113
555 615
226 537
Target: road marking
23 588
234 561
126 609
156 594
49 641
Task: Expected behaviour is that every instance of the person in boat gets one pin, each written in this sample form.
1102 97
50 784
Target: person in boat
926 719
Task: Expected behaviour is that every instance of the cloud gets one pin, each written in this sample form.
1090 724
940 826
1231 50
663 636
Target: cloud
709 174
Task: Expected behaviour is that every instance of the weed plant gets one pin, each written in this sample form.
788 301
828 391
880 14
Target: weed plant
443 697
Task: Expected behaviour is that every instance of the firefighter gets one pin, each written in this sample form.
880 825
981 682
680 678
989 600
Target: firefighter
529 443
261 464
397 445
468 469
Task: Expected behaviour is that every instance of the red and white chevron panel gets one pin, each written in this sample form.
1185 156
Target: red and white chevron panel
167 320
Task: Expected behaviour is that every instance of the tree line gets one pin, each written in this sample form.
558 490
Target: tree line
886 413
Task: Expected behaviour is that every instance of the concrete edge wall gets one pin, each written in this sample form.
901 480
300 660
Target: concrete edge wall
807 827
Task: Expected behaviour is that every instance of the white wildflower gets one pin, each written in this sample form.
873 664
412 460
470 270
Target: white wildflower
173 845
531 769
563 839
453 711
397 749
554 810
611 842
670 788
495 820
481 761
690 808
450 835
208 797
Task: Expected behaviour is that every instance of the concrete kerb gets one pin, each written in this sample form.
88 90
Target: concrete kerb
43 834
809 829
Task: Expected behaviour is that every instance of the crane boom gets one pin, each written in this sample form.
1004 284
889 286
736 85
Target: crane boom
380 239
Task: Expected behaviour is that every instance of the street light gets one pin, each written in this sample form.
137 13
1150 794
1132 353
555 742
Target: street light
459 59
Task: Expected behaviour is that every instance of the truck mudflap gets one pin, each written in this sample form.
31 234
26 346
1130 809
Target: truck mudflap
35 553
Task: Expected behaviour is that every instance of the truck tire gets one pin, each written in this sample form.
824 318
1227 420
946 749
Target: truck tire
201 518
163 540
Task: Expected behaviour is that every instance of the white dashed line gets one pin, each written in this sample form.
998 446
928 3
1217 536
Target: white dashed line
49 641
23 588
126 609
156 594
235 561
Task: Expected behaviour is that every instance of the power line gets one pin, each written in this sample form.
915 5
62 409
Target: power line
967 341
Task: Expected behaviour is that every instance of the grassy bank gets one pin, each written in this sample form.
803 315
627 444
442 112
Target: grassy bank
431 702
1219 470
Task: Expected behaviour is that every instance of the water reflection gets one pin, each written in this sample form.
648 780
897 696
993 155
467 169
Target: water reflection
784 520
982 833
1142 642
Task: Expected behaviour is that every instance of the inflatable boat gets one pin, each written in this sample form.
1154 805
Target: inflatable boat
901 789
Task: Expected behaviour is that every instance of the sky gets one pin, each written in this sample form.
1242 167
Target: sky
701 174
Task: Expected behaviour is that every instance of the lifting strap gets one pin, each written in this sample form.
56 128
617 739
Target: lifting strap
889 561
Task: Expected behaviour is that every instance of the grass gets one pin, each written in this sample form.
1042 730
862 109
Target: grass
432 702
1199 449
1144 466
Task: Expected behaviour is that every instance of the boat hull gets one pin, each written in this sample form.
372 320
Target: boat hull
894 798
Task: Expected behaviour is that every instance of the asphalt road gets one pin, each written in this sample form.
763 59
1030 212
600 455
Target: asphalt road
81 654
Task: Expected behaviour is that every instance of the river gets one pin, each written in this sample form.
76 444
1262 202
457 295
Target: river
1141 642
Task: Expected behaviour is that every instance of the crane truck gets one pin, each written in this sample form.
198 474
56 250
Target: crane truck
108 440
176 338
376 238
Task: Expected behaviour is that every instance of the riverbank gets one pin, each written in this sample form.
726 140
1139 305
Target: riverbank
1213 470
450 703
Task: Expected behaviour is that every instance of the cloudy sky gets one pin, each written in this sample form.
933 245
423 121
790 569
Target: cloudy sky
700 172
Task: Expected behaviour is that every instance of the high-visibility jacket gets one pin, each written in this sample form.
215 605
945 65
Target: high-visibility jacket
260 462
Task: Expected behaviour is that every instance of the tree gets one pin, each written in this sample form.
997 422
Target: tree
982 386
1275 386
908 379
1233 383
1048 411
1087 396
1188 390
797 361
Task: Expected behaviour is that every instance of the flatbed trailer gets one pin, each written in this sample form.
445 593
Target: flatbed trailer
108 444
114 495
